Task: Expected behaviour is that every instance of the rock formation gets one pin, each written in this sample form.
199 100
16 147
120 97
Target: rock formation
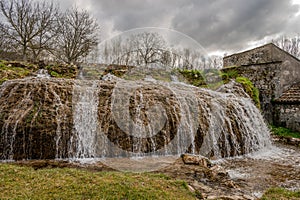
47 118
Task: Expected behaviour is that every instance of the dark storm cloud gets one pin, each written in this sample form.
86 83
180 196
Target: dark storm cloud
231 24
216 24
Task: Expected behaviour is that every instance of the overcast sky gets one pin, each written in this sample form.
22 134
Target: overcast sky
218 25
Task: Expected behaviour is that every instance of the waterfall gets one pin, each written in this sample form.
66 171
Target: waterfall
235 125
57 118
85 107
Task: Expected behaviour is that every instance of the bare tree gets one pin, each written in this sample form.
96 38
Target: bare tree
47 15
27 24
4 44
148 47
77 35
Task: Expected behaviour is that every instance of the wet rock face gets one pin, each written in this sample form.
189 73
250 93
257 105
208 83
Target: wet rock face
35 118
159 128
58 118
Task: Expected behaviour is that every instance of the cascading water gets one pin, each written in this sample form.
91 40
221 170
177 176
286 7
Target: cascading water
52 118
85 106
235 126
146 118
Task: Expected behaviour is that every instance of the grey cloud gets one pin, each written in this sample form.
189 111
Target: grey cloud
231 24
226 25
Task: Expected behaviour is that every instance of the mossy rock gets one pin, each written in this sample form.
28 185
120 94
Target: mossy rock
252 91
232 74
194 77
15 70
62 71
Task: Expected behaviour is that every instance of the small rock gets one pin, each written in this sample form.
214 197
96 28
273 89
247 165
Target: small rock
217 170
190 159
191 188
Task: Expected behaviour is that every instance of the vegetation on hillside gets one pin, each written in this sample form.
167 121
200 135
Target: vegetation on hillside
62 71
15 70
199 78
250 89
194 77
65 183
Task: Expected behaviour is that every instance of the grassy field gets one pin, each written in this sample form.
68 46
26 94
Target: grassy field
280 194
18 182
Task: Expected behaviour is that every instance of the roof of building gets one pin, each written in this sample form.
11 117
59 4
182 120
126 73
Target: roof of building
272 45
292 95
283 51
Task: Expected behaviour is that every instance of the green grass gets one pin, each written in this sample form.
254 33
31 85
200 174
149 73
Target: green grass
18 182
16 70
280 193
285 132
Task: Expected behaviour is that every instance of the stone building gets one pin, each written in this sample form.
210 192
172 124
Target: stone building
275 73
287 108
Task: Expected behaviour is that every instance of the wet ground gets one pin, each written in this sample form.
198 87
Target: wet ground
275 167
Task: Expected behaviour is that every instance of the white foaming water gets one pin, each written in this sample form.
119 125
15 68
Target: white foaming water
188 125
42 73
85 102
229 125
237 122
278 154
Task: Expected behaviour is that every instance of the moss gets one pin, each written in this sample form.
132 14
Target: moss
12 70
2 80
252 91
55 74
233 74
62 71
2 65
229 74
194 77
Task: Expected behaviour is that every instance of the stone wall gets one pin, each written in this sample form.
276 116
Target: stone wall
287 115
266 55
